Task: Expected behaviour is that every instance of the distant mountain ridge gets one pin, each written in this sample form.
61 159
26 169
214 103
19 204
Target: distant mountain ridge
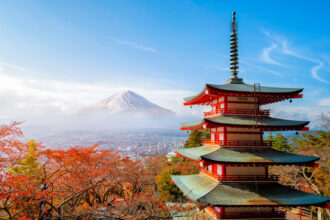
129 102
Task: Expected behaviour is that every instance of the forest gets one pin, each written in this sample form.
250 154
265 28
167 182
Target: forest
87 182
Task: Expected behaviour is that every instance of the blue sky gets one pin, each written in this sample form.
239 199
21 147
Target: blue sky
57 56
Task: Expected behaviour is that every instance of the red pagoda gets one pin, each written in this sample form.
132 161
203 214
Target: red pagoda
233 180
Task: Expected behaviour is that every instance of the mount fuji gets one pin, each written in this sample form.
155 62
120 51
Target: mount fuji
128 102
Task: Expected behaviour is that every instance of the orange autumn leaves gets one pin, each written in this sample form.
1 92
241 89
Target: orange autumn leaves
80 182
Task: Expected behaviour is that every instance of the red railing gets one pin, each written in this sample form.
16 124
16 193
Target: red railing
213 212
237 143
249 178
210 142
244 143
236 112
254 215
239 177
210 174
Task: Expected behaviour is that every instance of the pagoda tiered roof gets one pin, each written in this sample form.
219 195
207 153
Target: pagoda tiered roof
236 123
264 122
267 94
203 189
245 155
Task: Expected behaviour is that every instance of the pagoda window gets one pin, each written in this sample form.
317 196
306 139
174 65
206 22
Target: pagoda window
218 209
212 136
219 170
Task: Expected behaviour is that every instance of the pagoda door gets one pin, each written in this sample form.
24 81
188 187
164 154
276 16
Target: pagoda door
216 137
217 108
222 105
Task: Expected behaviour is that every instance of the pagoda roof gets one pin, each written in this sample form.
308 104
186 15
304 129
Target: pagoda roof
245 155
203 189
242 89
245 121
195 153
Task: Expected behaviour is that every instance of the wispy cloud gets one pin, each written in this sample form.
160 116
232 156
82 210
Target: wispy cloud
134 45
285 50
266 52
265 55
314 70
25 95
252 65
15 67
262 68
325 102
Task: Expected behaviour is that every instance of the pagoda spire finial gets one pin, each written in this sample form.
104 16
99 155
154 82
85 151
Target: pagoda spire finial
234 53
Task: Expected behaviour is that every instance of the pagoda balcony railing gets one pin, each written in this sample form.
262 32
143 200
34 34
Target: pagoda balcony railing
213 212
244 143
237 142
236 112
244 215
253 215
210 142
249 178
272 178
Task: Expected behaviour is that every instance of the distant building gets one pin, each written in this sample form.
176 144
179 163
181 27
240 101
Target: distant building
170 155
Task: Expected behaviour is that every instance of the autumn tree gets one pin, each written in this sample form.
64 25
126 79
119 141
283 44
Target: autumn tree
311 179
11 148
19 193
29 165
79 182
89 182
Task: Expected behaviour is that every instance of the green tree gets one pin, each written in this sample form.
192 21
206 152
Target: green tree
196 138
280 143
29 165
167 190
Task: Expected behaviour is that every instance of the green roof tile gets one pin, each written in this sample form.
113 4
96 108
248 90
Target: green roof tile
192 123
203 189
250 88
195 153
247 121
256 155
246 88
194 186
245 155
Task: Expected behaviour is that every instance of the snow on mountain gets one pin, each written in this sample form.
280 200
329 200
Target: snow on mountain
128 102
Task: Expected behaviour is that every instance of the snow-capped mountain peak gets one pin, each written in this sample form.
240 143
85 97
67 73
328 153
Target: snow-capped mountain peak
127 101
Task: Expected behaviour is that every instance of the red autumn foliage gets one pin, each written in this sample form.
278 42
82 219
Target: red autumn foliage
80 182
